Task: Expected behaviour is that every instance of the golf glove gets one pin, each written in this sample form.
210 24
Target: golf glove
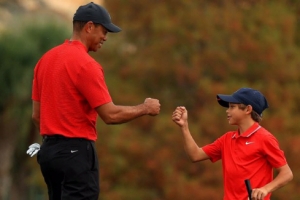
33 149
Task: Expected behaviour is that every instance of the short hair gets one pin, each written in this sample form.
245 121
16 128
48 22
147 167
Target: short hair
78 25
254 115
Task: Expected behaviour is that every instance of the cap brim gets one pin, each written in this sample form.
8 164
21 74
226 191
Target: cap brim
224 100
112 28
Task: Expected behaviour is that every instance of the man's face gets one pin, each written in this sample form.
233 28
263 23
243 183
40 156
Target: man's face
97 36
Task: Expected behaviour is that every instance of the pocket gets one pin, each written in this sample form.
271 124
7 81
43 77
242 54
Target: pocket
92 156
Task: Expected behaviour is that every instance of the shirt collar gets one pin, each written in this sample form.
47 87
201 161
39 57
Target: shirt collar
248 132
77 43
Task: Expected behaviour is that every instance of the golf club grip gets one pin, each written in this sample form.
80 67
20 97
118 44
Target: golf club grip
248 186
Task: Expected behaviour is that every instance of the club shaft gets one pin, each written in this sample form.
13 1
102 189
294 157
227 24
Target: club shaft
248 186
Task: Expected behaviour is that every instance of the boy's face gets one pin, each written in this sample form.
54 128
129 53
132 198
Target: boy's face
235 115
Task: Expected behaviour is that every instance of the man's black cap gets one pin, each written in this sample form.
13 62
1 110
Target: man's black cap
97 14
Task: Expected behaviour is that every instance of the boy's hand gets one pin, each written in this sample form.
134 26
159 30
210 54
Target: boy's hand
180 116
259 194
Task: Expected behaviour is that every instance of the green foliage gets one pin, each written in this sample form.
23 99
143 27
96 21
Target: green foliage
20 50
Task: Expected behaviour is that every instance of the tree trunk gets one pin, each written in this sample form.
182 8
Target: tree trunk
8 137
19 186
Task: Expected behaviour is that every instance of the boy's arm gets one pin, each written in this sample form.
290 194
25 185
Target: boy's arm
284 176
194 152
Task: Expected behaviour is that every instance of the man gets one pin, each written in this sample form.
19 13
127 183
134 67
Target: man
250 152
68 92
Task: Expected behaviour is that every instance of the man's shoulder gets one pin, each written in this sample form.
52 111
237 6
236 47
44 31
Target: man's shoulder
56 48
75 53
54 51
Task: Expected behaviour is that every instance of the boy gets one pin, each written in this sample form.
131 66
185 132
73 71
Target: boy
250 152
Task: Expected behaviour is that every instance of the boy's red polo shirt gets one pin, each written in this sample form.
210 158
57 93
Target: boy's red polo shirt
252 155
69 84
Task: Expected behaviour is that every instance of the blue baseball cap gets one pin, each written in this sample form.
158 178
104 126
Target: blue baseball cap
97 14
247 96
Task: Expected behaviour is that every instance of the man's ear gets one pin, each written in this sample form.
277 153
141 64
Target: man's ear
88 27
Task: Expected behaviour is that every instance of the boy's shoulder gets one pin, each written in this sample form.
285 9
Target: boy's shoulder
263 131
264 136
230 134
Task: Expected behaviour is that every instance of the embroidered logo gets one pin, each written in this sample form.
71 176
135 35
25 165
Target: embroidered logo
73 151
249 143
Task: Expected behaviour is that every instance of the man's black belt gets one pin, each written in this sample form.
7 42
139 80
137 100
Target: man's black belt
60 137
52 137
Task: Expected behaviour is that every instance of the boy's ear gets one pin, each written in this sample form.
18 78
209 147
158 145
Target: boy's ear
249 109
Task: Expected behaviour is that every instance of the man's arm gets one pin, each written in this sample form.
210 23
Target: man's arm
194 152
115 114
36 113
35 147
284 176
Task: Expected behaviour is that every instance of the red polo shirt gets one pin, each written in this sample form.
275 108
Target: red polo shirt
69 84
252 155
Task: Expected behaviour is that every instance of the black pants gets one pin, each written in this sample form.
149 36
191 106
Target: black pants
70 168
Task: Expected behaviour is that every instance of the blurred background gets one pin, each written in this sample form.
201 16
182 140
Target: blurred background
182 52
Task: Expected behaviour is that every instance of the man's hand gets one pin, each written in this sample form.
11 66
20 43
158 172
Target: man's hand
33 149
153 106
180 116
259 193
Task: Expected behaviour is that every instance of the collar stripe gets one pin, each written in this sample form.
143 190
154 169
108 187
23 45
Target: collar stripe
253 131
249 133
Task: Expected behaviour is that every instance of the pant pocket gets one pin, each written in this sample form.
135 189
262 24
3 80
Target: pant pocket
92 156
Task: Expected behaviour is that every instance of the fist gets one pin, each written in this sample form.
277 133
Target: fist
153 106
180 116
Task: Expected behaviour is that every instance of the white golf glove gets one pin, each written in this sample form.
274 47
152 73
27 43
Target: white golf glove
33 149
